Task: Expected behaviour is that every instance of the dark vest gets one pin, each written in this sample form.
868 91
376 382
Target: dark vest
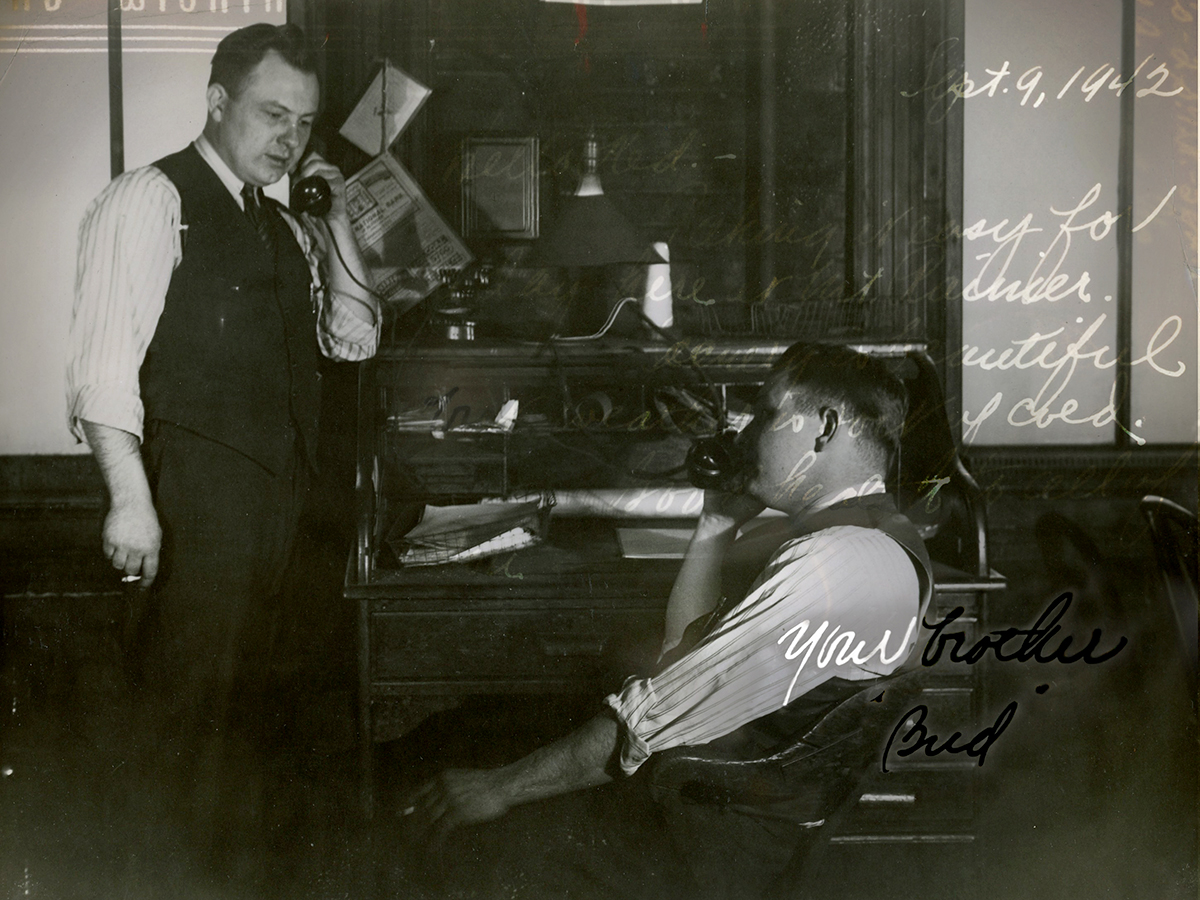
234 357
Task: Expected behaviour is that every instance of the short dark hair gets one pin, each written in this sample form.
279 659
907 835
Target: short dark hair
861 385
240 51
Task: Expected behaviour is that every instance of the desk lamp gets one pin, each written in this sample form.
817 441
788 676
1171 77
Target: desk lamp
589 234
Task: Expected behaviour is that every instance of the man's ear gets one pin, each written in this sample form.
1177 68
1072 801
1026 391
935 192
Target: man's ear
218 97
828 417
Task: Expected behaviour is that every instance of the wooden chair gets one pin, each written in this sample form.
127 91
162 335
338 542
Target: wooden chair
814 783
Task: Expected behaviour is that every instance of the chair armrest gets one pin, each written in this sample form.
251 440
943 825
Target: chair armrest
803 781
700 775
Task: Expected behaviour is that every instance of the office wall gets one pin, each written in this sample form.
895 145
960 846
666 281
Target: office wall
54 158
165 65
54 153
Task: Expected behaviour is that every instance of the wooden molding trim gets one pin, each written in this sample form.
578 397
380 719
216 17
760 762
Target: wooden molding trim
50 480
1087 472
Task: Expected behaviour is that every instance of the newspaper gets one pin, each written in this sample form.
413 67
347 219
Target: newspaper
403 238
405 96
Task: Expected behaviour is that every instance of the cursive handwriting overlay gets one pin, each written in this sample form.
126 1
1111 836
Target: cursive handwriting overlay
1046 282
1056 354
921 738
1031 644
847 652
1017 644
1102 77
947 85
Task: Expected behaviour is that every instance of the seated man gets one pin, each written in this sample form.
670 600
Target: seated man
836 604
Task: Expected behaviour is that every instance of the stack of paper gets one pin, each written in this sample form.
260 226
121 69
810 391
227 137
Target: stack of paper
448 534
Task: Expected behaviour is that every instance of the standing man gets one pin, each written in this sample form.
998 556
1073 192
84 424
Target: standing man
201 311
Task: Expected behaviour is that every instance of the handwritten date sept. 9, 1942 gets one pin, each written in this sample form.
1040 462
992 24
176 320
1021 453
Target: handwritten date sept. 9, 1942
1007 645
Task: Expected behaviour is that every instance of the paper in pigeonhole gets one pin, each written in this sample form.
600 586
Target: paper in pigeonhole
405 96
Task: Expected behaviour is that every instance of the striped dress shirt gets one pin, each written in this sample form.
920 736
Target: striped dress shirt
840 602
129 246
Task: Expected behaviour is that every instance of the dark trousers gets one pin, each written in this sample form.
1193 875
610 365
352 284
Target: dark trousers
606 843
203 640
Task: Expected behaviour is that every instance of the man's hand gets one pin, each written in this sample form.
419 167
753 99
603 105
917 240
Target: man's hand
730 510
348 272
132 536
455 798
460 797
132 540
315 164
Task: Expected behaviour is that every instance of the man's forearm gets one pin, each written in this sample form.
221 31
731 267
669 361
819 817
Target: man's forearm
571 763
697 588
461 797
119 456
132 537
348 272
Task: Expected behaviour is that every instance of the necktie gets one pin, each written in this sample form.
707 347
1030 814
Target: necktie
259 216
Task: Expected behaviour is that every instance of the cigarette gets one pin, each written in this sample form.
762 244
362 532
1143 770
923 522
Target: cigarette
130 579
408 811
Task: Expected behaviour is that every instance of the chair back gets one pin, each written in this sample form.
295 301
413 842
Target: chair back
1173 532
934 488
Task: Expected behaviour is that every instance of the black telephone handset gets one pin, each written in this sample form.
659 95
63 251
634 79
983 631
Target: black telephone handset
713 462
311 195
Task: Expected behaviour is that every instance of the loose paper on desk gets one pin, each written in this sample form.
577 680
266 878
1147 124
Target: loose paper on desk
504 422
405 96
448 534
403 238
654 543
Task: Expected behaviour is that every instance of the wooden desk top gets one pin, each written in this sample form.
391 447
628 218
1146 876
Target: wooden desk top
580 558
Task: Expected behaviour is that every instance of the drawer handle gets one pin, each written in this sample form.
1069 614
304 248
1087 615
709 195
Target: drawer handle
572 645
888 799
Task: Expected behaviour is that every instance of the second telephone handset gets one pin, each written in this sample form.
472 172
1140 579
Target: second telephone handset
714 462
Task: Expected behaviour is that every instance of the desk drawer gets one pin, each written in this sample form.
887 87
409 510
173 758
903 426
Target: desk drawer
512 646
948 710
959 635
915 802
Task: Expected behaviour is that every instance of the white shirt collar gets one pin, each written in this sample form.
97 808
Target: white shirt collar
209 154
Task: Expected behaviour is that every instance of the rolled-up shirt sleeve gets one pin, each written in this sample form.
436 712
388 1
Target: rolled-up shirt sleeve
341 333
854 588
128 248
